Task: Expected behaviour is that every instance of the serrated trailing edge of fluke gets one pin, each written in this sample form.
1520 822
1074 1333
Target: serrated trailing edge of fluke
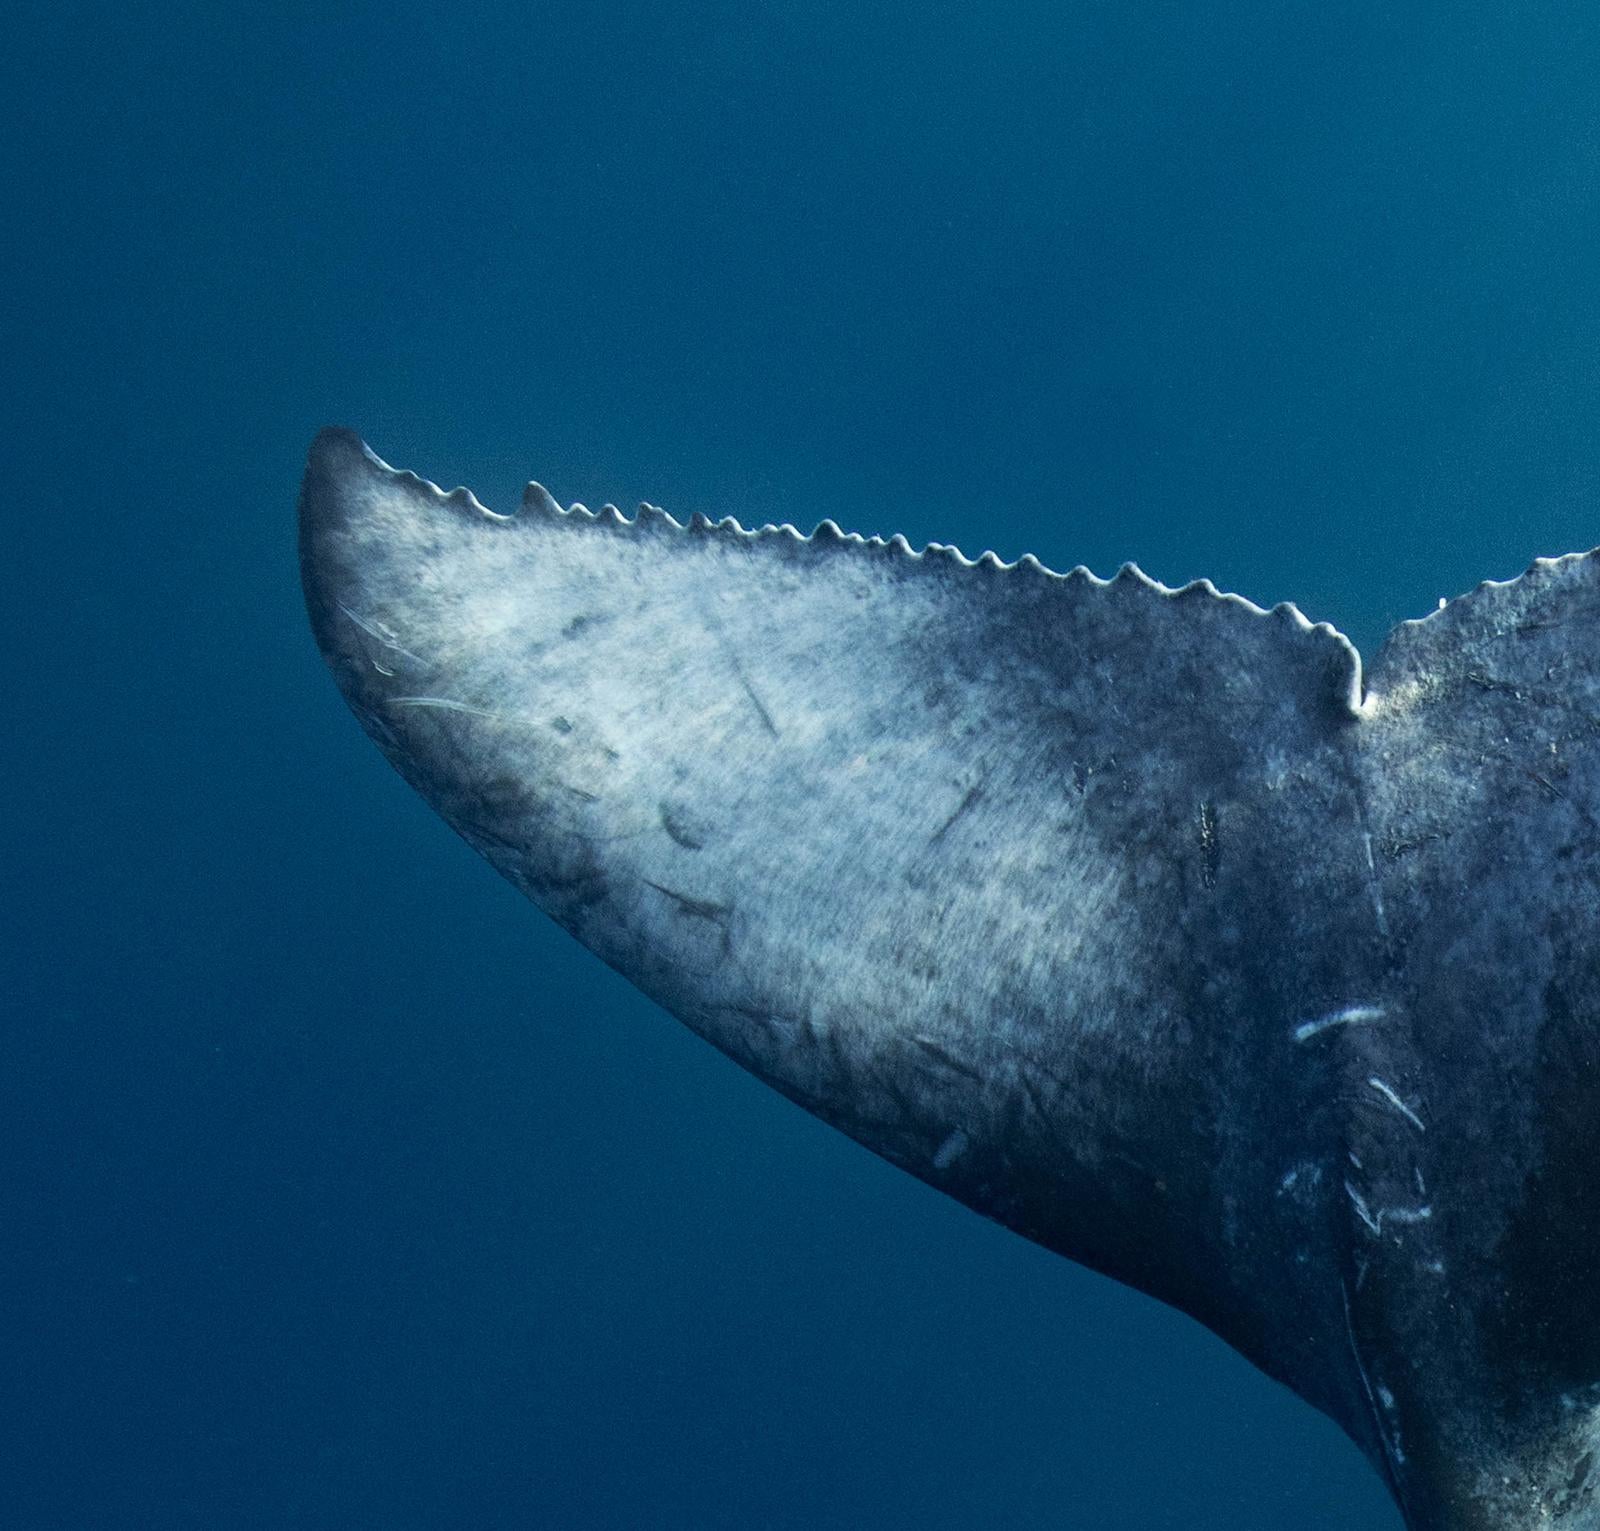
538 504
1543 567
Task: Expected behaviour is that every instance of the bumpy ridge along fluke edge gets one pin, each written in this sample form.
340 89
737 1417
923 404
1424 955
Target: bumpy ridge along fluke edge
338 443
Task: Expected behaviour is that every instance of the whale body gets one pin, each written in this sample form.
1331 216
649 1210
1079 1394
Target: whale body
1140 920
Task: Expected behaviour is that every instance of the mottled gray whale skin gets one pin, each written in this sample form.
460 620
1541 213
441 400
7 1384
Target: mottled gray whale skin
1131 917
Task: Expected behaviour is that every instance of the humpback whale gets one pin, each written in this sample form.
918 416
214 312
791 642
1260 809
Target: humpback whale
1141 920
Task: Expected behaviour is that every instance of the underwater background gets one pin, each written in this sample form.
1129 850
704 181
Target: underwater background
337 1187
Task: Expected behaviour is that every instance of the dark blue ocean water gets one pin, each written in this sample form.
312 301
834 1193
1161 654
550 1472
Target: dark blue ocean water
340 1190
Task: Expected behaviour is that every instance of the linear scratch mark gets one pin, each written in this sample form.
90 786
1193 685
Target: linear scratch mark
1377 892
443 704
1351 1015
375 630
1489 683
678 830
1210 845
973 794
1549 786
945 1058
755 701
1394 1100
1363 1211
1361 1371
714 631
700 908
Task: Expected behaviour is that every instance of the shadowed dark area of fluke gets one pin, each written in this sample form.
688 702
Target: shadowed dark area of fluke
1128 916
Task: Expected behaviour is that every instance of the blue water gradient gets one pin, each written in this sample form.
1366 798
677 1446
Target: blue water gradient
340 1190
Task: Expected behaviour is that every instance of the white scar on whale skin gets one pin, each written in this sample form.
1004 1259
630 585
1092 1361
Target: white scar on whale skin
447 704
1351 1015
912 837
1363 1211
1399 1105
383 635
